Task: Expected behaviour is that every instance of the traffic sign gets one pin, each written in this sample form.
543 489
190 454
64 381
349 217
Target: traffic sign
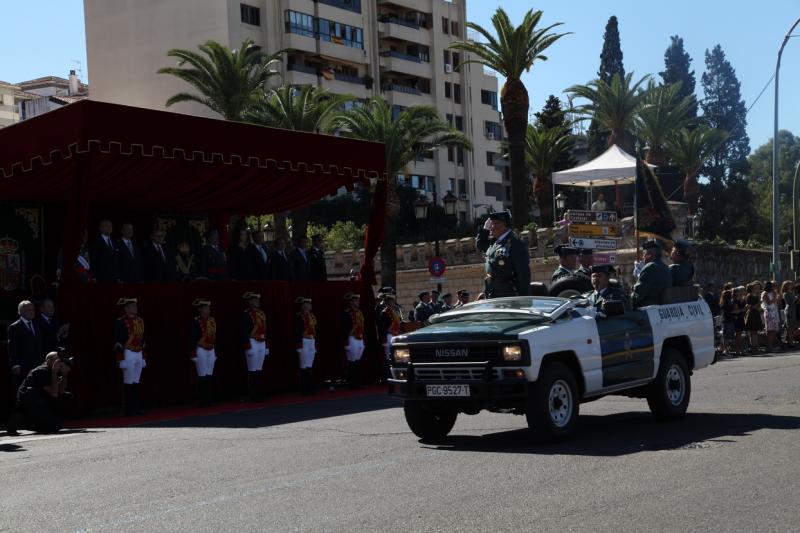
591 216
437 266
605 258
593 244
589 230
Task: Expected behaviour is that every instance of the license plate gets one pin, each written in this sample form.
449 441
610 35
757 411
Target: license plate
447 390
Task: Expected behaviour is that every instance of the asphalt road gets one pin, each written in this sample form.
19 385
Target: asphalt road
352 465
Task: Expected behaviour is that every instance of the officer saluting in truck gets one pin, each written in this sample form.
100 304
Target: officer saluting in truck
508 270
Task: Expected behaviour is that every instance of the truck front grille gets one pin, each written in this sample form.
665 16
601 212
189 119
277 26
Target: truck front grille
453 374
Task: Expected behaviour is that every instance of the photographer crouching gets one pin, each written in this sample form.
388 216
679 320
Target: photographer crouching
42 400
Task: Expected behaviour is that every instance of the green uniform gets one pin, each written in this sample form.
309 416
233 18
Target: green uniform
508 269
560 272
423 311
648 290
609 294
682 273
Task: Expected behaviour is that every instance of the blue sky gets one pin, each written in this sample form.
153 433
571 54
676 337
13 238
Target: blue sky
749 32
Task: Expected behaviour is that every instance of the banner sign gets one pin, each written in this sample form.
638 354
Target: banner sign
593 244
588 230
591 216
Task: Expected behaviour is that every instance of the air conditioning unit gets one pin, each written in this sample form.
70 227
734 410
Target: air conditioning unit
448 68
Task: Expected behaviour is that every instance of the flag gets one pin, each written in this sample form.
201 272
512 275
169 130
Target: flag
653 216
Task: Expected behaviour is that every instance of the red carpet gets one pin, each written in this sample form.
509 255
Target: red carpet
174 413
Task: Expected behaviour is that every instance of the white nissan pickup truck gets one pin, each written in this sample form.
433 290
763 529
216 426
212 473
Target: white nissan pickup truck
544 356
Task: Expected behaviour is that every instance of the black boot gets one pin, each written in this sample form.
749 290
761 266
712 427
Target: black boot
127 399
255 386
202 394
13 424
210 391
353 374
136 403
310 381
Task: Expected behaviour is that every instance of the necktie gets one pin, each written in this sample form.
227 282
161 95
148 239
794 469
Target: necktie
30 327
108 241
130 247
161 252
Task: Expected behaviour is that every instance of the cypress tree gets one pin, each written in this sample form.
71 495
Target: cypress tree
553 115
610 64
676 69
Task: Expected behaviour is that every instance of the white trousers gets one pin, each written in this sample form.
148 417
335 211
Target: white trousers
354 349
387 346
204 361
307 352
132 367
255 355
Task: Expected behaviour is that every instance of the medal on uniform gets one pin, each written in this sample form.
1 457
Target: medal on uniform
501 262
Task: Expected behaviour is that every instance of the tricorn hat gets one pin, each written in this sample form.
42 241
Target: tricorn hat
250 295
126 301
200 302
300 300
351 296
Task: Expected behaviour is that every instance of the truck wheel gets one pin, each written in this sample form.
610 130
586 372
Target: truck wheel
427 424
669 394
553 403
569 286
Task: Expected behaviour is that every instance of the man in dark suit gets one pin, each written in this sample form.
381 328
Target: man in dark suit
319 270
300 261
54 334
212 263
508 269
25 342
104 255
157 261
130 257
258 256
279 262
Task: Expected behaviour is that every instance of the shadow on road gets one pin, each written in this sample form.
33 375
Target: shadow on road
285 414
9 447
627 433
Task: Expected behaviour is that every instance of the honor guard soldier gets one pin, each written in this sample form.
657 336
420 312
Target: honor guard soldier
389 325
653 279
129 349
681 269
353 325
567 261
305 327
586 260
463 298
202 341
212 264
603 292
424 310
447 302
508 270
254 342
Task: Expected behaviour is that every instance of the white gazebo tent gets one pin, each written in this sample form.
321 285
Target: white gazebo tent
615 166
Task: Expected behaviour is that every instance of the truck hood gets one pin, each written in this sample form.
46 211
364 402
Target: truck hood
473 329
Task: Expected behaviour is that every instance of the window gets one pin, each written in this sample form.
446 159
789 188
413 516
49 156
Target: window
490 158
325 30
457 93
446 59
493 189
449 118
508 193
445 25
454 28
450 154
448 88
489 98
424 85
424 54
350 5
456 61
459 123
452 186
460 156
462 186
299 23
492 130
250 15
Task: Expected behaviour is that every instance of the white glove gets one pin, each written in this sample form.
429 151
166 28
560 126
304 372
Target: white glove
123 365
488 224
144 363
194 359
637 268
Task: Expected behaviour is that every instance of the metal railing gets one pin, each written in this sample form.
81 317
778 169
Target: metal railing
358 80
402 22
401 55
405 89
303 68
350 5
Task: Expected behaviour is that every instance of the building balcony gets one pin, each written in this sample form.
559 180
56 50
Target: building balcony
350 5
411 32
345 86
391 19
400 55
302 68
300 77
405 64
358 80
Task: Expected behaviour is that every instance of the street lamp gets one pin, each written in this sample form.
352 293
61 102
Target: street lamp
420 208
561 202
450 201
776 258
269 232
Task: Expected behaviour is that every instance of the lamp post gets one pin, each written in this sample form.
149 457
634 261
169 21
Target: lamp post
561 203
421 204
795 222
776 258
269 232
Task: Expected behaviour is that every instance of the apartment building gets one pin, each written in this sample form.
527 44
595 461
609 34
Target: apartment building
41 95
397 49
8 108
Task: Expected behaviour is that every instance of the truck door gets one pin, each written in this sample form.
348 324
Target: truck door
626 344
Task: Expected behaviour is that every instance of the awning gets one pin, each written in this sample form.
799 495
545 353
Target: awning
614 166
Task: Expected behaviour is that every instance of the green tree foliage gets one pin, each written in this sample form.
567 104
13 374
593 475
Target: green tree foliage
663 112
227 81
761 183
688 149
553 116
677 65
544 147
342 235
511 51
411 133
726 168
610 65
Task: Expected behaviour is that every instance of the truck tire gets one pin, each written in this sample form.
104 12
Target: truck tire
668 396
569 286
553 404
427 424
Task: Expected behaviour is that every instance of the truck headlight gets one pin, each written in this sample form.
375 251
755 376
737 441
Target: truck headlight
512 352
402 355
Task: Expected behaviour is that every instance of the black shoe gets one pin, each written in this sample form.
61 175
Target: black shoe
13 423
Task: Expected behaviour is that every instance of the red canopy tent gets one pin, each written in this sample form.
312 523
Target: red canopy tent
92 155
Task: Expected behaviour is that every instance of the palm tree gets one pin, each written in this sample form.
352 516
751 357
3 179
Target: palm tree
689 148
543 149
412 132
663 112
613 106
301 108
227 81
511 53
